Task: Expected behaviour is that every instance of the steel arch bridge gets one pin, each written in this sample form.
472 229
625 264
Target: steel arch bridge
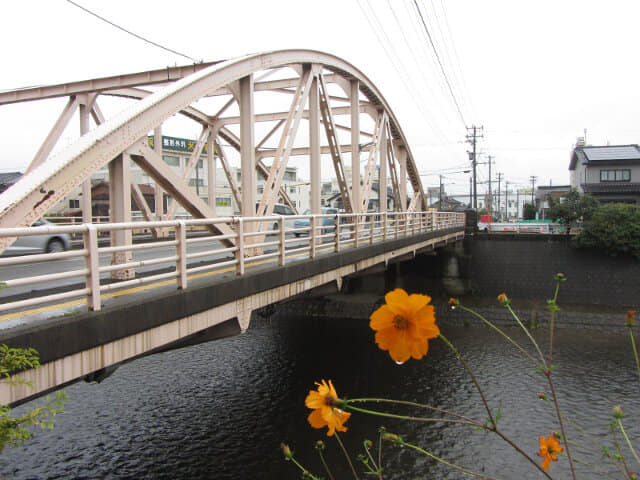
256 104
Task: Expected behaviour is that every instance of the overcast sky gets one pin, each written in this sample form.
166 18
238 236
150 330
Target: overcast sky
535 75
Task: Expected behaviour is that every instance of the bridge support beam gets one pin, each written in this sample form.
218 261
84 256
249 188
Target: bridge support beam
120 211
354 96
314 146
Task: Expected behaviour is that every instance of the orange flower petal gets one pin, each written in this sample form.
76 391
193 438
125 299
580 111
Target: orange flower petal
382 318
315 419
417 301
398 301
314 400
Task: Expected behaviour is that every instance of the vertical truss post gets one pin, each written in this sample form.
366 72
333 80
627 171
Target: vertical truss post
314 146
92 264
356 229
211 171
336 232
120 212
85 203
158 200
354 98
181 253
239 246
312 236
247 150
402 180
382 176
384 225
281 241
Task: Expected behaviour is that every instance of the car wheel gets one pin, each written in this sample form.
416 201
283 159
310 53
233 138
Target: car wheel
55 245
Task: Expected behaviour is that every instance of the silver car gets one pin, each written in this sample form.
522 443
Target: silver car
45 243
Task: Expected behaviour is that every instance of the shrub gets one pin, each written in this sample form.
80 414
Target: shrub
614 228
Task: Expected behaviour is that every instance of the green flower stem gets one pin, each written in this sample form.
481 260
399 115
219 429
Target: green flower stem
346 454
443 461
526 331
407 417
559 414
346 404
406 403
302 469
473 377
501 332
596 468
635 351
553 317
324 464
624 434
377 470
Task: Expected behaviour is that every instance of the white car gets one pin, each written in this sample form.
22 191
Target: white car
45 243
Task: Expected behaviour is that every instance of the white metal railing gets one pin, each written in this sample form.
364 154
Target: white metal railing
95 268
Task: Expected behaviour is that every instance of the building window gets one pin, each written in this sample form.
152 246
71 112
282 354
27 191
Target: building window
223 201
192 182
292 189
74 203
171 160
620 175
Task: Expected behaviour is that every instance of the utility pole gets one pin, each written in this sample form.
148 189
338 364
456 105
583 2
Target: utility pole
490 198
533 189
440 200
470 191
506 199
499 211
517 204
471 138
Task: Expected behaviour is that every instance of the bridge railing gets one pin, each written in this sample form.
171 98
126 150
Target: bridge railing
95 270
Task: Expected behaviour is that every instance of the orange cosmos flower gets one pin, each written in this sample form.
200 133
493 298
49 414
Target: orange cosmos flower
404 325
549 447
325 414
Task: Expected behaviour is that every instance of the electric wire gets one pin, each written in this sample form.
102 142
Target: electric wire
444 73
131 33
406 82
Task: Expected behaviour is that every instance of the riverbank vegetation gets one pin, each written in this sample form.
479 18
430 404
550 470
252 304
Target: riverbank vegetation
611 227
404 326
15 430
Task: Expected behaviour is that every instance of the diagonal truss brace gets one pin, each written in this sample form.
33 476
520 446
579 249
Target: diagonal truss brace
290 129
224 162
334 144
393 173
381 123
261 167
193 162
156 168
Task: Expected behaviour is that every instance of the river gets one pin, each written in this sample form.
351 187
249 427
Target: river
220 410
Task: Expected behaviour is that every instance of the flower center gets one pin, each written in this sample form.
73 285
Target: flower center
329 400
400 322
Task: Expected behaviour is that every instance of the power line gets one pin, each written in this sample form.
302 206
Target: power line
130 32
444 74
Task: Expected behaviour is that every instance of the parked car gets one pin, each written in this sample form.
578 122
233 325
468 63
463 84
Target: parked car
301 225
45 243
280 209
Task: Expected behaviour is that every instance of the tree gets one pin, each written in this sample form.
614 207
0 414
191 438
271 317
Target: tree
614 228
529 212
14 431
574 208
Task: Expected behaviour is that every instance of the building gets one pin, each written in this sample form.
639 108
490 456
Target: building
544 194
176 153
8 179
610 173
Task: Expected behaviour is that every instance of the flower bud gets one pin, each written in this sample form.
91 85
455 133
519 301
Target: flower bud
503 299
542 396
560 277
453 302
631 318
288 454
617 412
320 445
368 444
391 437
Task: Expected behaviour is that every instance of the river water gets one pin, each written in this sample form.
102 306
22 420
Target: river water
220 410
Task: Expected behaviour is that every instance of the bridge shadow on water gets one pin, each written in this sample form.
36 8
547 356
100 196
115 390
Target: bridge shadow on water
220 409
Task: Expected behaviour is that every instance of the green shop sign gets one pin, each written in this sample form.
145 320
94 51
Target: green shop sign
177 144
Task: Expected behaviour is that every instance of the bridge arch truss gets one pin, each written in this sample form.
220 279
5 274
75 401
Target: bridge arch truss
273 105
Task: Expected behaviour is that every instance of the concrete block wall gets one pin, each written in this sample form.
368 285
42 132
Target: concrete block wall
523 266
